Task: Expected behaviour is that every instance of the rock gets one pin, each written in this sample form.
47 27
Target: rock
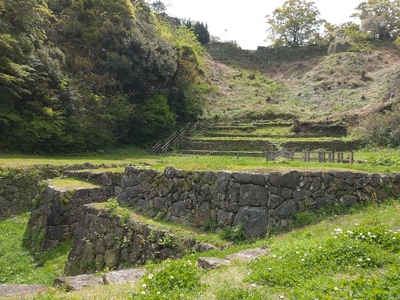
254 221
288 208
248 254
246 178
20 290
211 262
123 276
349 200
291 180
202 247
77 283
253 195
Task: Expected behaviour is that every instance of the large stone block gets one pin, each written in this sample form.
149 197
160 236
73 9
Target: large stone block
291 180
253 195
254 221
249 178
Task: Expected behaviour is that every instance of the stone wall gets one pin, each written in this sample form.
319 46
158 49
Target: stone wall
216 145
55 215
256 201
104 240
19 187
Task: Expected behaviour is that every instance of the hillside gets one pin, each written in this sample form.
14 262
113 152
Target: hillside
346 85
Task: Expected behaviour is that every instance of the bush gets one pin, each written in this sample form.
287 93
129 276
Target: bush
177 279
381 129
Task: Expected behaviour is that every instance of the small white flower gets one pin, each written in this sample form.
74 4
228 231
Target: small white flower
302 259
150 276
281 297
336 288
158 293
360 259
143 293
172 277
144 285
253 285
181 295
297 252
368 259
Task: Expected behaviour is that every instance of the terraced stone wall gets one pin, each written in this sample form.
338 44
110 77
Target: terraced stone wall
19 187
104 240
255 201
55 215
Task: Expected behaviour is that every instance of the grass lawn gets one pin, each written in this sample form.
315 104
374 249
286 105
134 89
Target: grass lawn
143 159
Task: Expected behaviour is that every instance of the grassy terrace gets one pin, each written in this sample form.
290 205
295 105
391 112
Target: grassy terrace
196 162
326 260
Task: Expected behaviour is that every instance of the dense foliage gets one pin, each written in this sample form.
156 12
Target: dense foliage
83 75
294 24
381 129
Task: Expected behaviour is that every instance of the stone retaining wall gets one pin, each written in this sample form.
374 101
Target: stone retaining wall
255 201
19 187
104 240
56 213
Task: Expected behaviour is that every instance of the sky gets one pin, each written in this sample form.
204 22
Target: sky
244 21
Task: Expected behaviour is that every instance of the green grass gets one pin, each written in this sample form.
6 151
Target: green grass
17 264
201 162
342 257
70 184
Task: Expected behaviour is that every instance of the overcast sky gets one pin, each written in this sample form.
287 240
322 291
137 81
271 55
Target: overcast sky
244 21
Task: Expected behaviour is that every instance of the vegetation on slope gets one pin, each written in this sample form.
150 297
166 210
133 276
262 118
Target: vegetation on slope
82 75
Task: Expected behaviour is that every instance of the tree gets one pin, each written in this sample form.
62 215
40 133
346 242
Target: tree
158 6
381 18
294 24
200 30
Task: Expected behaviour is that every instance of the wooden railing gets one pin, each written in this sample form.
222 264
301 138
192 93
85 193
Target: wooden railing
176 137
308 156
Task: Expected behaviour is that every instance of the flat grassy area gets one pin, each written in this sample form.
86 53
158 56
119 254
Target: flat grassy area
142 159
70 184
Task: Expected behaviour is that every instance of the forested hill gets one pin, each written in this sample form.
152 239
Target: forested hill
86 74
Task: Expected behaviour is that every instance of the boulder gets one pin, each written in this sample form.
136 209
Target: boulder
123 276
211 262
20 290
254 221
77 283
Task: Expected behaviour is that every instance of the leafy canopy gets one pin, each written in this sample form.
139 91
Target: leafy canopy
380 18
294 24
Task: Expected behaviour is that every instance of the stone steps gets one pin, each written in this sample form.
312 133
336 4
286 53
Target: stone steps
79 282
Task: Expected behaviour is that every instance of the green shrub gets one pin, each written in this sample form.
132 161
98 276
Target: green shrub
383 160
234 234
176 279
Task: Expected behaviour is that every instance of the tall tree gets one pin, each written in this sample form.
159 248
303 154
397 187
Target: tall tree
381 18
294 24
